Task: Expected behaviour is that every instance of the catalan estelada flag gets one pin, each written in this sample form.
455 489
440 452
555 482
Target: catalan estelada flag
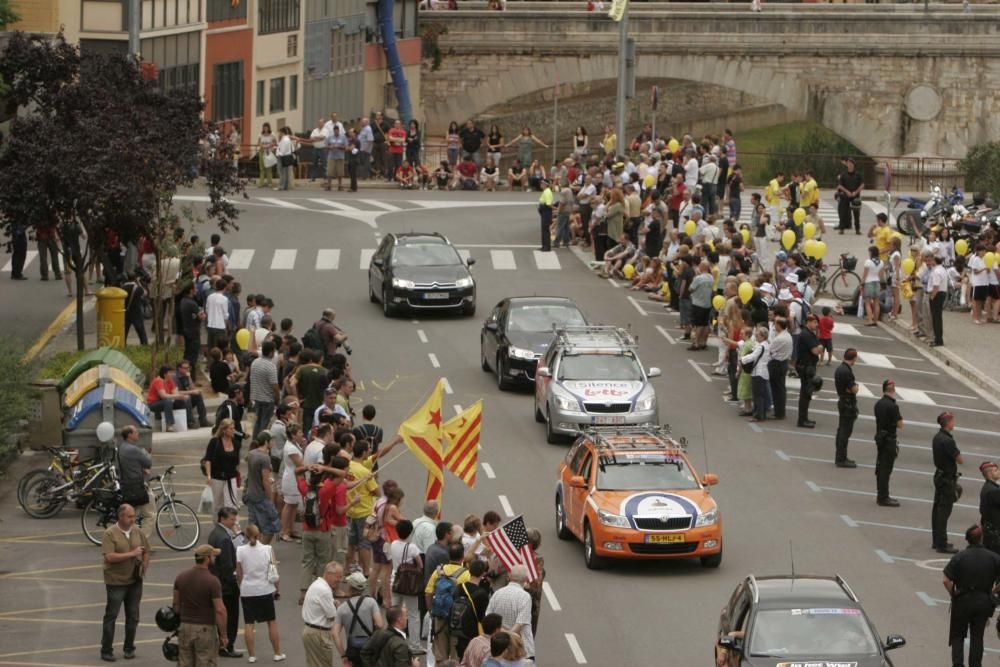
421 432
462 434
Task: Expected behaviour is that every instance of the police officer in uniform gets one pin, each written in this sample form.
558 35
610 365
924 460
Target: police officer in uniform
970 577
847 406
887 421
946 489
805 367
989 506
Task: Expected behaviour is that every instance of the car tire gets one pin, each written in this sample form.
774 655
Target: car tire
482 356
551 436
470 311
539 417
387 308
562 531
371 293
503 382
590 557
713 561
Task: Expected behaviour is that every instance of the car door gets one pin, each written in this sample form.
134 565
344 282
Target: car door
577 509
376 273
542 383
490 336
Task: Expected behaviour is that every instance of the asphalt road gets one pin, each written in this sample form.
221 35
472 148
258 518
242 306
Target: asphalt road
781 498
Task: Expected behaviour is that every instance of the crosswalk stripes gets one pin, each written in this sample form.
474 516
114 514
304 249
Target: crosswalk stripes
28 258
283 260
546 261
380 204
503 260
240 259
340 206
876 360
366 257
328 259
914 396
284 203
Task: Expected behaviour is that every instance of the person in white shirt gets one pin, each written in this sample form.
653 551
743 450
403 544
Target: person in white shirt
691 170
257 592
424 527
328 126
366 139
217 315
709 173
759 377
313 454
318 615
979 280
871 285
513 604
404 551
937 293
895 275
286 148
318 140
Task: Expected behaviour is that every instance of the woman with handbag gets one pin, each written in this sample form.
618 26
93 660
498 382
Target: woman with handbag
387 516
257 574
266 159
407 580
221 467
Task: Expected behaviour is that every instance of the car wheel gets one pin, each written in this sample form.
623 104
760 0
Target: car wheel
539 417
371 293
590 557
470 310
482 355
503 382
561 530
551 436
387 308
713 561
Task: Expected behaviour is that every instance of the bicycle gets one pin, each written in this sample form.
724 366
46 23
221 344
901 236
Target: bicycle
60 463
843 282
176 522
44 495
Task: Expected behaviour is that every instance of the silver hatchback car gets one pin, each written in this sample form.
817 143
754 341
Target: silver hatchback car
590 376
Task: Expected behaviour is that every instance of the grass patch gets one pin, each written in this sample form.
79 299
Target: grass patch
764 151
58 365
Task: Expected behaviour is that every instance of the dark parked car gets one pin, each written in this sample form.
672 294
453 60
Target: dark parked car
420 272
519 330
799 620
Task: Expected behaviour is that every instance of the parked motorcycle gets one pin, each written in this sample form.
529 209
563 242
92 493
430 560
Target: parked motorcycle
937 209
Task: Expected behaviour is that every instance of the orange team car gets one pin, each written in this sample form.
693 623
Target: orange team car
631 492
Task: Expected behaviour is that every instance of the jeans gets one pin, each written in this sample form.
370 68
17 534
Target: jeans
778 372
937 319
167 407
46 248
734 207
847 407
317 168
759 387
131 595
732 368
192 349
18 254
887 449
708 199
134 319
562 229
262 420
286 177
944 500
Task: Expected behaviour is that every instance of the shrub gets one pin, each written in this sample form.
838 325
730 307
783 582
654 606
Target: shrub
15 399
982 169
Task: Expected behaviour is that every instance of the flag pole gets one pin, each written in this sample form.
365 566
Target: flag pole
555 120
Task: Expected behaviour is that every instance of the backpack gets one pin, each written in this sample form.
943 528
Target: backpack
311 515
311 339
444 592
201 286
463 613
804 310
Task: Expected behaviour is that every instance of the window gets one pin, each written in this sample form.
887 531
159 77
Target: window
347 51
293 46
227 91
293 92
278 16
260 98
227 10
277 95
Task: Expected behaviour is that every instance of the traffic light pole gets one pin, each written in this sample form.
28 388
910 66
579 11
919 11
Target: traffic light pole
134 26
622 83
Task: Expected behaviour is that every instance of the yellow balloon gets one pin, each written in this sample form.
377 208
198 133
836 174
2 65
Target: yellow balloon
908 265
788 239
711 244
820 249
745 233
809 247
799 216
809 230
718 301
745 292
243 338
961 247
629 271
649 181
990 259
689 227
673 145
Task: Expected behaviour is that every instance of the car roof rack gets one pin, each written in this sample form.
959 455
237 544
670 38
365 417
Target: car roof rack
600 434
847 589
593 337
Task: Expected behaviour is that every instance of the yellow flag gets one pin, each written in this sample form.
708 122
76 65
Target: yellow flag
421 432
617 10
462 433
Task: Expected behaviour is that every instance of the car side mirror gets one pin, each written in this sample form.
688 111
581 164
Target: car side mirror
377 262
654 372
710 479
492 326
577 482
729 643
894 641
544 372
470 261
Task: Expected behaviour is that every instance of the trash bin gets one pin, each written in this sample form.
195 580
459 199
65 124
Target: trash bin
111 317
98 376
105 403
103 355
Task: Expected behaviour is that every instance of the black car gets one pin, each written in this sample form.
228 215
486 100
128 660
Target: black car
420 272
799 620
518 331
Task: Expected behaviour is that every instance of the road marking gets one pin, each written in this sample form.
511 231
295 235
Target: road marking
240 259
854 523
31 255
781 455
885 556
851 330
855 492
503 260
865 392
434 360
328 259
496 245
284 203
830 436
204 199
488 469
366 257
574 646
64 316
814 459
283 260
755 427
447 386
458 409
613 283
700 372
551 596
914 396
421 335
505 504
666 334
876 360
546 261
464 253
337 205
642 311
931 601
813 486
380 204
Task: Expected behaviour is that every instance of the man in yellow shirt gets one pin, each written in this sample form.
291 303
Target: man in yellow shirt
881 235
443 645
545 214
810 191
772 195
361 499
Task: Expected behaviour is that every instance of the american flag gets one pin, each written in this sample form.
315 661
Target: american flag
510 543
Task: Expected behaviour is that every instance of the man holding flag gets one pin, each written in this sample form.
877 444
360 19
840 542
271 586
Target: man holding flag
512 547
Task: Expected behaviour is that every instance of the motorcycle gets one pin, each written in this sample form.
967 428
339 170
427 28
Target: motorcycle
938 209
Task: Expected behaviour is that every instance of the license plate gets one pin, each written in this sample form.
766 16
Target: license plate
435 295
664 539
607 420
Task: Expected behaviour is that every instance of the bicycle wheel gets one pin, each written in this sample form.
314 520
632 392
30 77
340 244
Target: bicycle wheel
177 525
844 285
94 520
29 477
41 498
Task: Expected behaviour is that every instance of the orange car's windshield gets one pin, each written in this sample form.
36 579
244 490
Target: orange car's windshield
645 473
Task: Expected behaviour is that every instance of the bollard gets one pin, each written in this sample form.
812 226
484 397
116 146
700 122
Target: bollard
111 317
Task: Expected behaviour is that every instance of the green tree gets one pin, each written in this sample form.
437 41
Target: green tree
982 169
7 14
817 150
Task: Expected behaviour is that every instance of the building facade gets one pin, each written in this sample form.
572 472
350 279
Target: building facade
228 61
277 65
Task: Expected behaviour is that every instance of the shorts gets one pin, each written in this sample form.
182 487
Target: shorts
378 551
700 316
827 344
685 308
356 533
980 292
292 498
258 608
264 515
275 465
335 168
994 291
871 290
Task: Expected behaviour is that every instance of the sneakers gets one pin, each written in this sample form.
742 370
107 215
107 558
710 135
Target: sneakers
280 657
252 659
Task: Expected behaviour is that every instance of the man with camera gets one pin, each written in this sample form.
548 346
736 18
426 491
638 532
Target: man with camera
126 559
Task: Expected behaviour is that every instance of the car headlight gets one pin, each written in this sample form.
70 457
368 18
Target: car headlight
518 353
567 403
707 518
613 520
647 402
404 284
463 282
